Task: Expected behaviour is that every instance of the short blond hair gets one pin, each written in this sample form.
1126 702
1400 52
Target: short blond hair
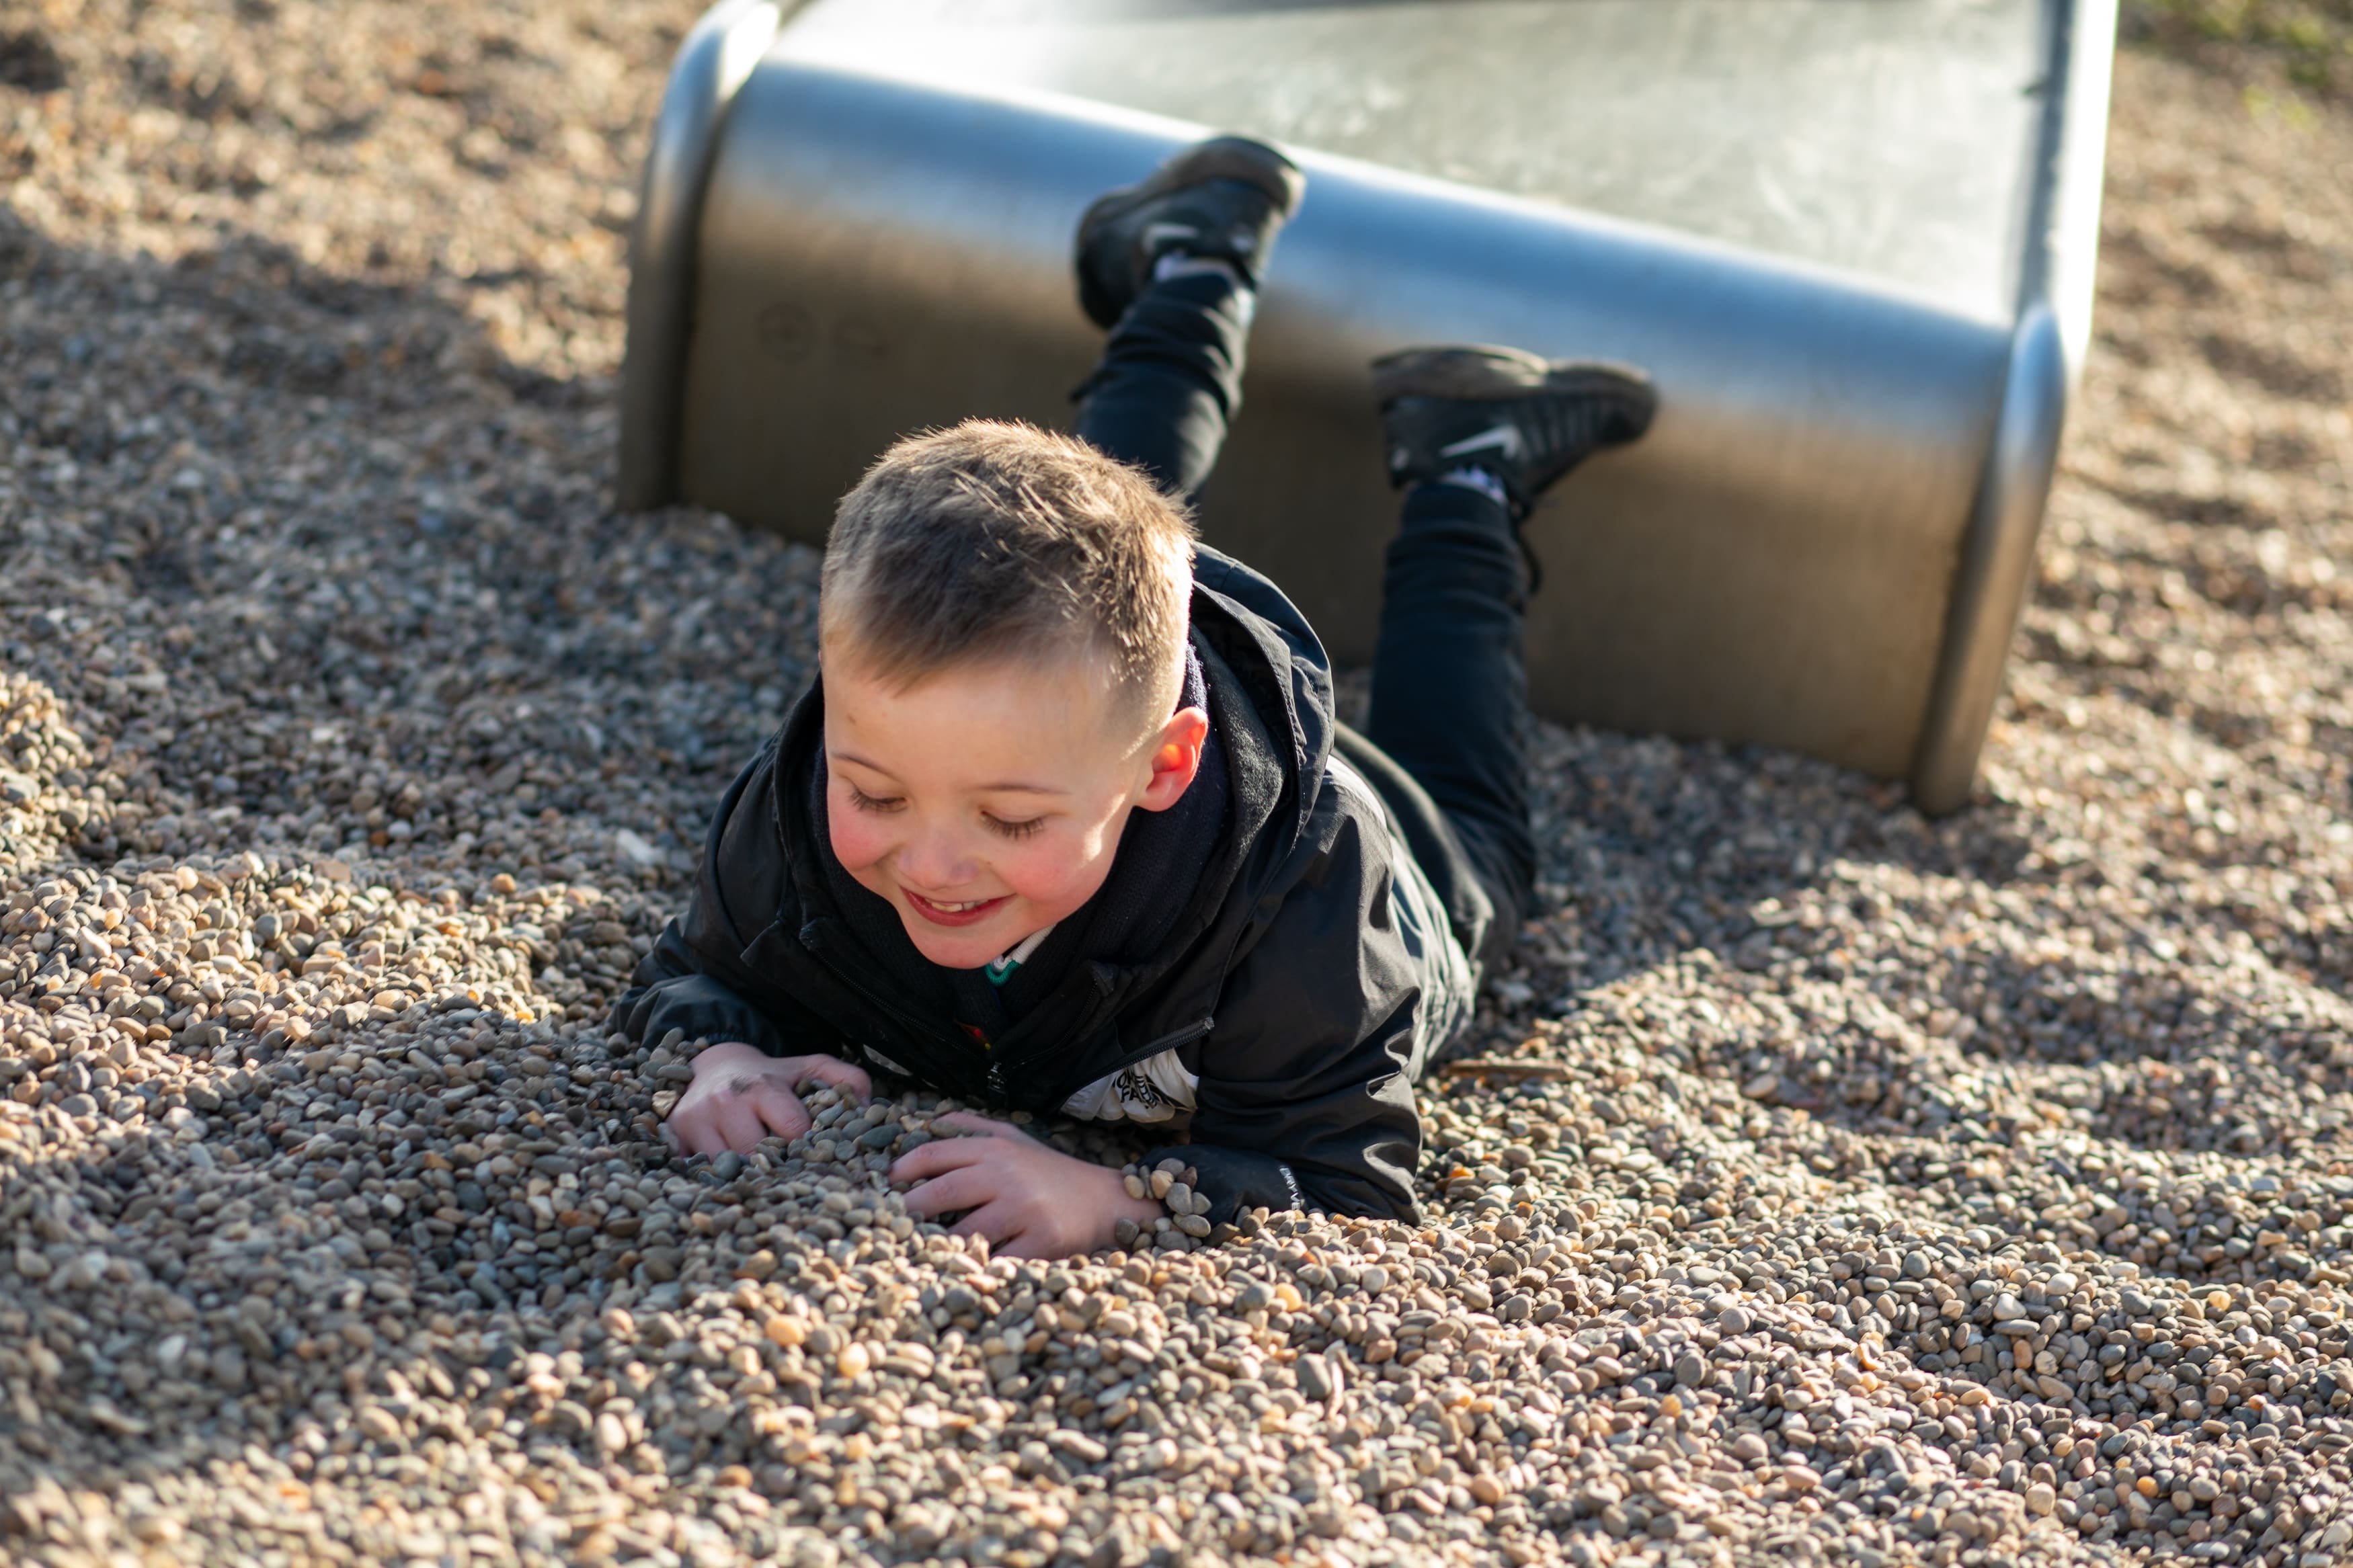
996 540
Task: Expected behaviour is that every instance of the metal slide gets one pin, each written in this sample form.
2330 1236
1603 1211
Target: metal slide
1852 240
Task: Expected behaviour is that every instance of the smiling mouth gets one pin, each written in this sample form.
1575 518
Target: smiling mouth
963 913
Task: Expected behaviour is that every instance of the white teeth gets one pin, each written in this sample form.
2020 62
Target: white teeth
955 908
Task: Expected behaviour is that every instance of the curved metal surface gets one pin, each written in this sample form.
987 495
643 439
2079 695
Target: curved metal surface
2064 262
713 62
1883 219
2057 275
1770 564
1991 586
1884 139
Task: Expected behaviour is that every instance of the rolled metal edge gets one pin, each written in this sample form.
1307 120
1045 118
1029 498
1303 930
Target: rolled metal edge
716 57
2070 255
1996 553
2061 234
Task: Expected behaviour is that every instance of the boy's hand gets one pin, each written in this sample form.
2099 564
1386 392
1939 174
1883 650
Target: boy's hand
1029 1200
740 1095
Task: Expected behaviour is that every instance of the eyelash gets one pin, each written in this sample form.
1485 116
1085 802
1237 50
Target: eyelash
865 801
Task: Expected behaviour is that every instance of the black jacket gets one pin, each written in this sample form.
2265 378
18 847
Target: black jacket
1296 986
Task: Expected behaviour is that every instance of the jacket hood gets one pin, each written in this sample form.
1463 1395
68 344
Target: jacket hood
1266 642
1270 697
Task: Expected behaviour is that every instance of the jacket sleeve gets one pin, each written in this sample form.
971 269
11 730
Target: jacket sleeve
694 979
1305 1097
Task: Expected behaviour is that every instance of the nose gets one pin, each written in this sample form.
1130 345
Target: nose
936 862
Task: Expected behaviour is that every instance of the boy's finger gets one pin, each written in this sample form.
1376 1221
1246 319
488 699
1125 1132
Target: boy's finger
684 1124
697 1135
1028 1245
995 1221
782 1110
835 1073
941 1155
974 1123
965 1189
739 1125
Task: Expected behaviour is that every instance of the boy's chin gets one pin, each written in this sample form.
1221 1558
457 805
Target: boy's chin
955 955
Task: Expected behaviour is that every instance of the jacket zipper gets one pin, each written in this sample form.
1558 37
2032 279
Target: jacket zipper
918 1033
1169 1042
1183 1036
995 1073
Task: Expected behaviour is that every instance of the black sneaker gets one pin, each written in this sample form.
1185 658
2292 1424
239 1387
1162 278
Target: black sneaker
1223 199
1525 420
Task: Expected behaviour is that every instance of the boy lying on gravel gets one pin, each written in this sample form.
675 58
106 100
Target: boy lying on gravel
1068 824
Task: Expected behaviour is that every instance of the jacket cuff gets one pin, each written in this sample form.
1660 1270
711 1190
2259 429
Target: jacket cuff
1236 1180
699 1005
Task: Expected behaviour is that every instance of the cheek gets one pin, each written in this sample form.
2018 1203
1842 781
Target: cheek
1055 871
859 837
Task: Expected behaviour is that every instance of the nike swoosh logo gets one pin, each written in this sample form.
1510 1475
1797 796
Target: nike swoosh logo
1155 234
1503 438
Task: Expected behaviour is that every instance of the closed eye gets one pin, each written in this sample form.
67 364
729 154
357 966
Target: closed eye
865 801
1013 829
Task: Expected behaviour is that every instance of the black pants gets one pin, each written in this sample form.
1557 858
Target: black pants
1450 675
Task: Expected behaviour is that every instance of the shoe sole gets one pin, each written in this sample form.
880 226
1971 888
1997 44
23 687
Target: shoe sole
1487 374
1252 162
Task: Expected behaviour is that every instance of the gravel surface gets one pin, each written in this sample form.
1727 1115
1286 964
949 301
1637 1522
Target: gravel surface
1823 1186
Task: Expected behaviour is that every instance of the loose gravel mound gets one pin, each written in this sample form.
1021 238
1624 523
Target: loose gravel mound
1822 1184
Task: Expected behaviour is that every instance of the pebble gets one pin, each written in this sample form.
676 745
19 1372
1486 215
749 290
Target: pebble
1837 1186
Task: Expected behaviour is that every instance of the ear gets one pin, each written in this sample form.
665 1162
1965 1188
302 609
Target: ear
1176 758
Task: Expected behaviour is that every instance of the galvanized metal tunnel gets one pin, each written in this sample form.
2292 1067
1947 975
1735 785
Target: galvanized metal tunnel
1853 244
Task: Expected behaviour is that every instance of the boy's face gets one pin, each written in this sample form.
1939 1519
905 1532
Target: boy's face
986 802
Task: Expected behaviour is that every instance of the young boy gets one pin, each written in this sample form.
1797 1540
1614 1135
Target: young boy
1068 825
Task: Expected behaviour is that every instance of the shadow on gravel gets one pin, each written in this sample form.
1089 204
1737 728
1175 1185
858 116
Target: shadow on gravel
1667 846
2162 1057
314 563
